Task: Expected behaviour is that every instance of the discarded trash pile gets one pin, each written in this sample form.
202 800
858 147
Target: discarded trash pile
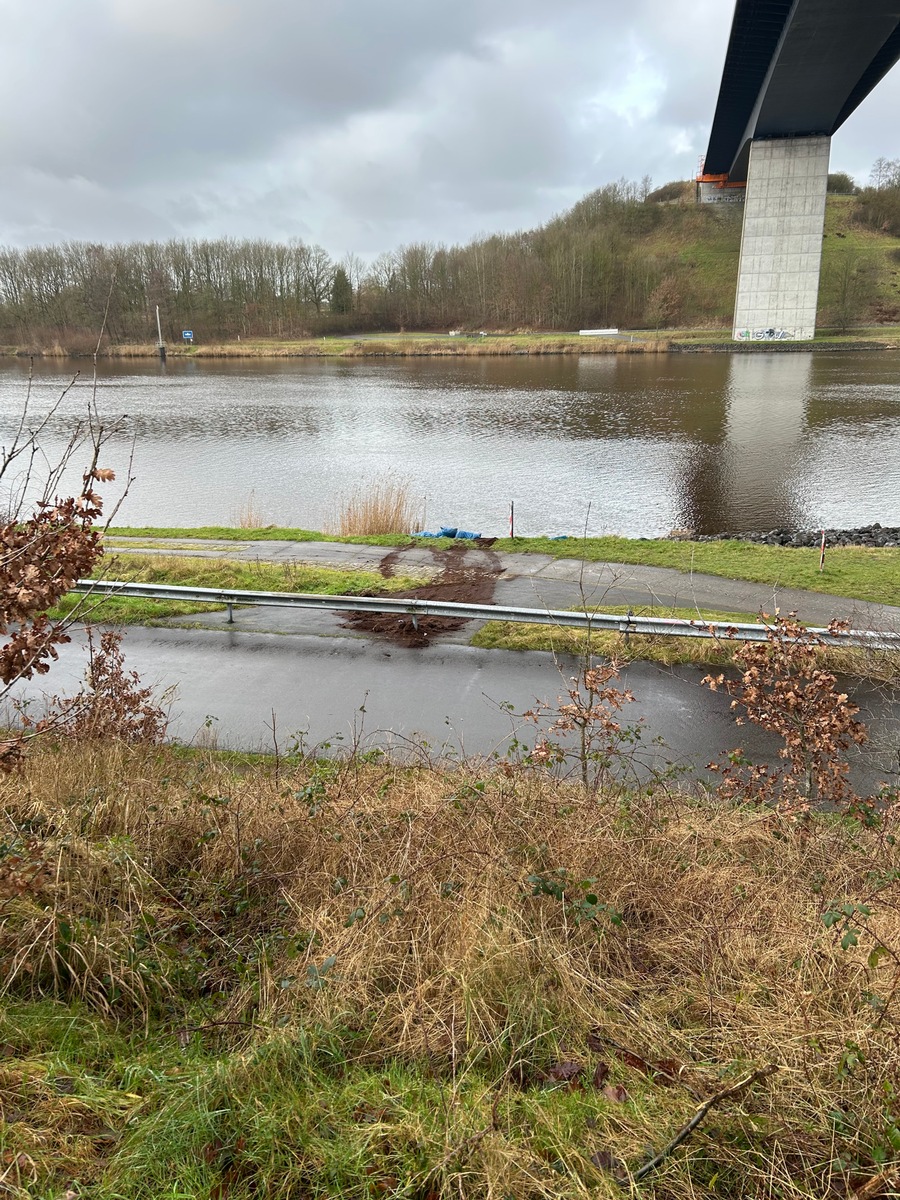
450 531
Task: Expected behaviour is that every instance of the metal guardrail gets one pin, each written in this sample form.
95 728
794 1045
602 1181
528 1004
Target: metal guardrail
628 624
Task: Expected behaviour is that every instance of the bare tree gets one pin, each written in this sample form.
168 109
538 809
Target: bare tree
885 173
318 275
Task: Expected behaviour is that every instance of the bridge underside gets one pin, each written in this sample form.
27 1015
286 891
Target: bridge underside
795 71
797 68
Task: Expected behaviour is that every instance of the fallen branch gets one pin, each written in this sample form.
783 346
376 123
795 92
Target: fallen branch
700 1115
880 1185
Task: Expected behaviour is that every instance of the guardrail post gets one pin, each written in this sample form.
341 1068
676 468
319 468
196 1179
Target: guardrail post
230 608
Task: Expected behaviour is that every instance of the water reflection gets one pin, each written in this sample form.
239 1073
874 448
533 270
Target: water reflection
636 444
765 436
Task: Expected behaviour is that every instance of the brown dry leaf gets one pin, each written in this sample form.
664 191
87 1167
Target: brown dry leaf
607 1161
595 1042
616 1093
601 1074
663 1070
670 1070
368 1114
630 1059
564 1072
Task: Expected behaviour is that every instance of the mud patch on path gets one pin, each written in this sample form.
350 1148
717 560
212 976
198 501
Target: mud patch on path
468 574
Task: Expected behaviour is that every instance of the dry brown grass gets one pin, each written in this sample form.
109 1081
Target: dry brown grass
250 515
394 347
384 505
399 900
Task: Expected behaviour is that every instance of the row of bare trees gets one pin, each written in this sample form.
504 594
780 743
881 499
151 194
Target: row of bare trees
588 266
616 258
222 288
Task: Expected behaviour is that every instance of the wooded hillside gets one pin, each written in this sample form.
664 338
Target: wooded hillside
620 257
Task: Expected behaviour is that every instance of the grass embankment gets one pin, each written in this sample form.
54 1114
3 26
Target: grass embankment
882 666
856 572
216 573
437 345
149 534
402 345
309 979
506 635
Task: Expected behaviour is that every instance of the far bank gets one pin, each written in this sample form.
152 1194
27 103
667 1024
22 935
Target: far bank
469 345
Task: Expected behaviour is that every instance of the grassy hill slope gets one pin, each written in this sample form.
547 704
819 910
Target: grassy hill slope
700 247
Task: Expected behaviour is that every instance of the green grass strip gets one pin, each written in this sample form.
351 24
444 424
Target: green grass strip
145 1115
268 533
215 573
670 651
858 572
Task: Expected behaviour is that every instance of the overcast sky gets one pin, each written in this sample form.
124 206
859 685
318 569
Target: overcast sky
357 124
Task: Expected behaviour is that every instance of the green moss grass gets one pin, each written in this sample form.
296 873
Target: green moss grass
162 1112
216 573
882 666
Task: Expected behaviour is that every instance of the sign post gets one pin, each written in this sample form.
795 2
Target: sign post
188 335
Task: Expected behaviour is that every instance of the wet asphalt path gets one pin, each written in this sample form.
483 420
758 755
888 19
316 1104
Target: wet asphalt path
451 698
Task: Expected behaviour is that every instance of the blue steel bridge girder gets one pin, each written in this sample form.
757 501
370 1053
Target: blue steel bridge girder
797 68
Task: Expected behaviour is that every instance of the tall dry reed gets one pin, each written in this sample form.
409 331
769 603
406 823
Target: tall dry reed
249 515
384 505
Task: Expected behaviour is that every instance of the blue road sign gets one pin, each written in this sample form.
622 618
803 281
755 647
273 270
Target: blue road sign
187 334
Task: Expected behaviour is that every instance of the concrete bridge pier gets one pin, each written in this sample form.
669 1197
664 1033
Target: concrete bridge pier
781 244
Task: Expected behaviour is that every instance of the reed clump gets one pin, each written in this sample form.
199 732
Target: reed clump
473 981
384 505
250 515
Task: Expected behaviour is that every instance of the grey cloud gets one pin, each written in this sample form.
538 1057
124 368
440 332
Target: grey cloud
355 124
39 208
129 98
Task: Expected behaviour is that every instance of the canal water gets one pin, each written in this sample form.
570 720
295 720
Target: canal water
636 445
